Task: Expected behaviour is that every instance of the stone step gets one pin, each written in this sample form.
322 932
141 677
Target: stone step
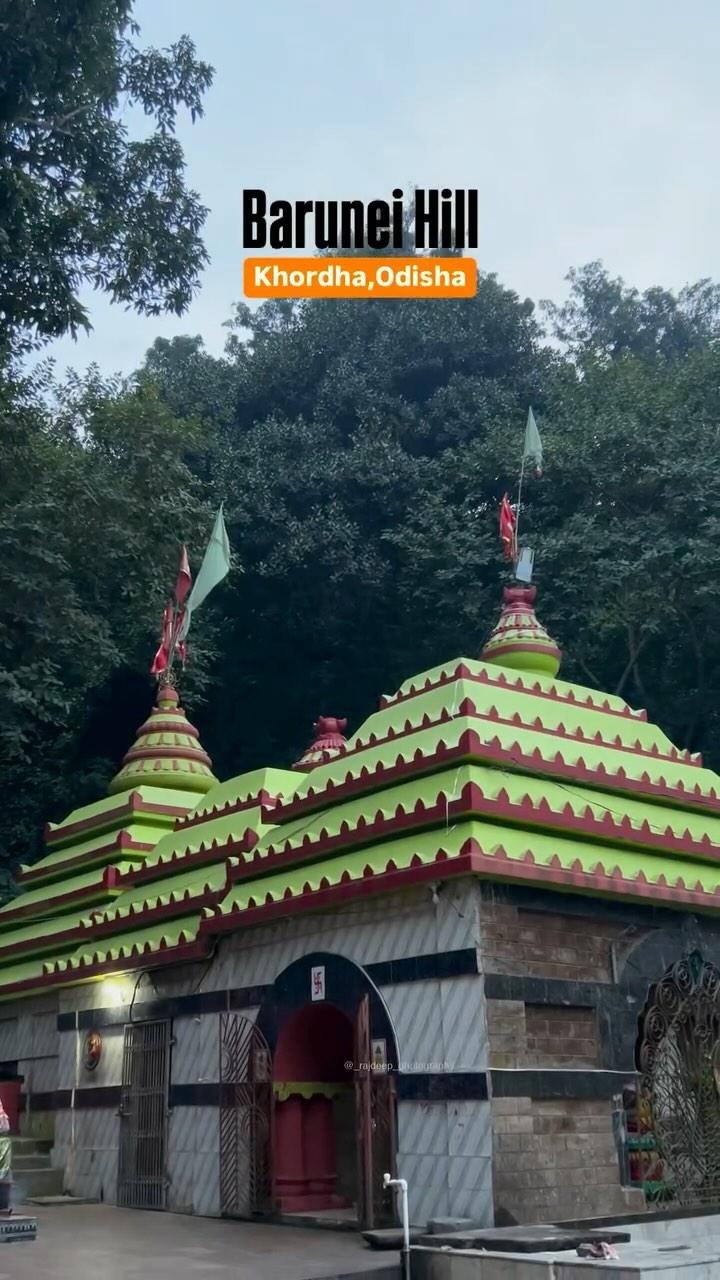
30 1160
29 1146
38 1182
61 1201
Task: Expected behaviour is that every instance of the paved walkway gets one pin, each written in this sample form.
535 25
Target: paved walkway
99 1242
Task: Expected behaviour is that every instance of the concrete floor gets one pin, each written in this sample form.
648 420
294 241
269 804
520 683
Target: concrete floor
99 1242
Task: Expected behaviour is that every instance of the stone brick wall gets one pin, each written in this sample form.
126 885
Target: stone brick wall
555 1160
543 1035
539 944
552 1159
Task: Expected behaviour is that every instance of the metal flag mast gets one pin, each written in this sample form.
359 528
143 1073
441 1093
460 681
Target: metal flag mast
516 547
522 561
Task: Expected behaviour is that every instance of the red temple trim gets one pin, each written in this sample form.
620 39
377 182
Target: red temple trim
471 746
121 844
510 682
133 805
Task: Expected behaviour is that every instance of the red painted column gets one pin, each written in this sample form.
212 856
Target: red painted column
319 1148
290 1179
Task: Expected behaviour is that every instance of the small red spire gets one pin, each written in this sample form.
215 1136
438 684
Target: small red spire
328 742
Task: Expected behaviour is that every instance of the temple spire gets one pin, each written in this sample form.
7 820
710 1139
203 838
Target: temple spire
167 751
518 640
327 743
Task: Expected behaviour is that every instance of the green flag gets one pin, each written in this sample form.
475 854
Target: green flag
215 566
533 444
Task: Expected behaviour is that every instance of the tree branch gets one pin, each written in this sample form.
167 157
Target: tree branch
636 647
57 123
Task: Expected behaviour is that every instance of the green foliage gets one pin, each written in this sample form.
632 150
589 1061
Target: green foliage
81 202
629 534
366 442
96 494
603 319
362 470
361 450
192 383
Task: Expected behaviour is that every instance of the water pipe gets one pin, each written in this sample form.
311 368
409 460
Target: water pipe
402 1185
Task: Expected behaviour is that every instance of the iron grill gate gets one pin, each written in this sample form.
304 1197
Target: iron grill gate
679 1060
142 1178
245 1118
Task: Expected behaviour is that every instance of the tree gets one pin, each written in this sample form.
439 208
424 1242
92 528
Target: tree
81 202
367 449
361 452
627 527
604 319
96 497
192 383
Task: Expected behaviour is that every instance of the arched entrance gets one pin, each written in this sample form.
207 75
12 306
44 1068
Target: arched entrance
334 1126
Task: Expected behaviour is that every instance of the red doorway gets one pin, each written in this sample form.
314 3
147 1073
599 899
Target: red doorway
314 1132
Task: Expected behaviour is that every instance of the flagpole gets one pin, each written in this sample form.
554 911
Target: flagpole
517 512
169 673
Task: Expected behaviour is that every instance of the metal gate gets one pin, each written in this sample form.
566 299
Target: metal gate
679 1060
142 1175
245 1118
375 1115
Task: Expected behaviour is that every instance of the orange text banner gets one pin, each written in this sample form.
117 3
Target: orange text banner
373 277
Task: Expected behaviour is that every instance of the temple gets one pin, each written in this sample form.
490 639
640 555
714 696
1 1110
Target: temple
454 945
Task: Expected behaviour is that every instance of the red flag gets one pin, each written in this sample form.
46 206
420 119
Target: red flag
184 578
162 657
507 528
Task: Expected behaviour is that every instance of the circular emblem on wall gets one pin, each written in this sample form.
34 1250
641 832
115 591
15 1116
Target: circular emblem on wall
92 1050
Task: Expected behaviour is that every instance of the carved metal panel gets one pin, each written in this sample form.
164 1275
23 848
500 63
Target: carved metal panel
679 1061
245 1118
142 1173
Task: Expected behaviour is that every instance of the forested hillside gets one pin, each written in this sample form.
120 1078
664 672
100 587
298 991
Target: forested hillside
361 450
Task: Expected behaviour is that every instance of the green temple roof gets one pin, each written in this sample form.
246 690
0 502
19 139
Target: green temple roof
491 768
145 804
247 790
143 943
91 857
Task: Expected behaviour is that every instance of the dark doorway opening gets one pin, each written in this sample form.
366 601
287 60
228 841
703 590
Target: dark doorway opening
315 1159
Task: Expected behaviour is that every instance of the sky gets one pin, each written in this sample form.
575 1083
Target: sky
589 129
